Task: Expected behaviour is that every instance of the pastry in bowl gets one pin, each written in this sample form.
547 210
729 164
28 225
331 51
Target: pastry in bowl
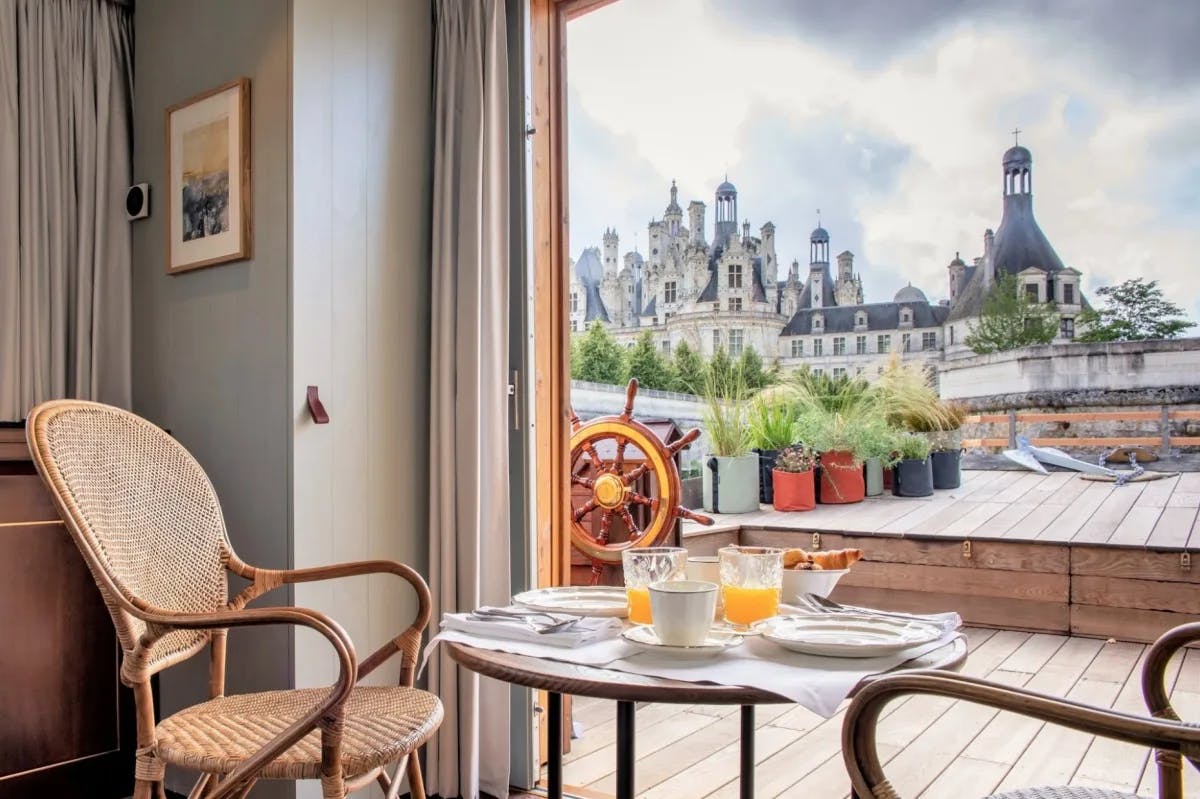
815 572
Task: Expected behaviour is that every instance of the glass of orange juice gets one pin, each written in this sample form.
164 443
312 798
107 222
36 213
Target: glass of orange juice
650 565
751 582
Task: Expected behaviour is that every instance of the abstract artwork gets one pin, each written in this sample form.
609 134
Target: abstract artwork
208 174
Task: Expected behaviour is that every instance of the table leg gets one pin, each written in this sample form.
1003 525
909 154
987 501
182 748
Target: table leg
626 751
554 753
747 782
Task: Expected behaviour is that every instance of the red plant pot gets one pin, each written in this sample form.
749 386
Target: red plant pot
794 490
887 478
841 479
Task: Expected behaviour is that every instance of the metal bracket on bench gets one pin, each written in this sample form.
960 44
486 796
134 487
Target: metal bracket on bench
966 549
1185 560
816 542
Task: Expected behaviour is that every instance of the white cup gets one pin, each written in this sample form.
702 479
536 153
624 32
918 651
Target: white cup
682 611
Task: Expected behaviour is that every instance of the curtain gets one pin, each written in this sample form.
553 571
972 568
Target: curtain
469 519
66 80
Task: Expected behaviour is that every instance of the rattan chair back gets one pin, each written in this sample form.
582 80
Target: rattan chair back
142 512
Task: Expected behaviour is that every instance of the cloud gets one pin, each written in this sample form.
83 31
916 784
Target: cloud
901 153
1151 40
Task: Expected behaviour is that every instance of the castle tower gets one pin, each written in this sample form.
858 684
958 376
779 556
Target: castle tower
1020 243
726 227
770 267
673 217
696 222
957 270
818 266
848 289
611 242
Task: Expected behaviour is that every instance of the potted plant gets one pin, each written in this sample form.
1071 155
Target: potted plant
731 473
792 475
946 443
877 443
772 419
913 473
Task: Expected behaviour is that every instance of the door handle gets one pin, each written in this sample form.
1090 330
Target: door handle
315 408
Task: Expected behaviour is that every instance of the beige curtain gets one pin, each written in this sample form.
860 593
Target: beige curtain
65 92
469 550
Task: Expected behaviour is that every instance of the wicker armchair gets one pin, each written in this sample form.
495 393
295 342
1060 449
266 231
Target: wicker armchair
147 521
1171 739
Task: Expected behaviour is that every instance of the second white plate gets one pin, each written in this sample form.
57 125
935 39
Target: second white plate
846 636
578 600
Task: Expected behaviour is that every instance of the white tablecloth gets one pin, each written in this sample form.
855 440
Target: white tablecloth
818 683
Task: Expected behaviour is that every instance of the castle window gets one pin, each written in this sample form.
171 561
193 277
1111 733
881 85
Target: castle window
818 372
860 319
1031 291
883 343
716 340
818 321
1068 294
839 345
574 326
929 341
905 316
735 303
666 346
669 291
716 306
860 345
797 348
1066 327
574 302
838 372
735 342
735 276
951 334
818 346
905 341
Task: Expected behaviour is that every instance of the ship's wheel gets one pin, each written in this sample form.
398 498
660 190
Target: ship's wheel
614 484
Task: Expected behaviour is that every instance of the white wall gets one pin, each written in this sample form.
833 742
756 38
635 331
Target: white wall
361 143
1073 367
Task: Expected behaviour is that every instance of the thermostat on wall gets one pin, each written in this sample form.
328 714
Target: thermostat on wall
137 201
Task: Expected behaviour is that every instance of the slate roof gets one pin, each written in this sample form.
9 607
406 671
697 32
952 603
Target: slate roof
711 288
881 316
650 309
828 299
595 305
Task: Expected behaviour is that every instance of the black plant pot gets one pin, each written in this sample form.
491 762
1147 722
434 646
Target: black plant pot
766 462
913 478
947 469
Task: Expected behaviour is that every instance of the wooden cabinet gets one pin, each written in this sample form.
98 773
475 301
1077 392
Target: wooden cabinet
66 723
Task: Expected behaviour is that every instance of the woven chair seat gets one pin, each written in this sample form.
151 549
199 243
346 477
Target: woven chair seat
1075 792
382 725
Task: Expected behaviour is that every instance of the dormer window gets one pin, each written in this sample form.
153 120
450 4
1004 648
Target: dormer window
1068 293
818 321
860 319
735 276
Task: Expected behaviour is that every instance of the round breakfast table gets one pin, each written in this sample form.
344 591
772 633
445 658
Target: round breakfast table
558 678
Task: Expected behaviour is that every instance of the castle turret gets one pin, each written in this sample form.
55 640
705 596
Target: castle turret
726 227
818 266
673 217
957 270
696 222
611 242
1020 243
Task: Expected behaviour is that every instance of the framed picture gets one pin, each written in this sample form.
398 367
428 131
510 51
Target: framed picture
208 178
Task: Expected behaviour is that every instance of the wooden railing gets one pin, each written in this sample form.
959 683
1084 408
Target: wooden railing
1163 440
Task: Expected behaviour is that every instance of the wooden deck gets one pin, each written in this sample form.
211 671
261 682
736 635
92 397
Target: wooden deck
934 748
1016 506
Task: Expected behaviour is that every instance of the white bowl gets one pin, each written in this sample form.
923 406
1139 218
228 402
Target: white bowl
810 581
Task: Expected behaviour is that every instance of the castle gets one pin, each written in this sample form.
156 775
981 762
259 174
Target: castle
729 292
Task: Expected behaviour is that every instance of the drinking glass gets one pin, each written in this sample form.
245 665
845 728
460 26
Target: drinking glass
751 582
650 565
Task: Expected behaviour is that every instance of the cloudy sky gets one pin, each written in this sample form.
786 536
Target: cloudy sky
891 117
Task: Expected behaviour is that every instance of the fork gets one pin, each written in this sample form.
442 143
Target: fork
820 604
555 621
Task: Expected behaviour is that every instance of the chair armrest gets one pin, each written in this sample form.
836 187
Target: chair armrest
858 730
1154 687
327 710
407 642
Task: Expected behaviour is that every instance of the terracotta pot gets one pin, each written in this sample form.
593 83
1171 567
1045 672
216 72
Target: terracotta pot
841 479
794 490
887 478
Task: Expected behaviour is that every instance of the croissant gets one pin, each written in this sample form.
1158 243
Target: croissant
836 559
797 559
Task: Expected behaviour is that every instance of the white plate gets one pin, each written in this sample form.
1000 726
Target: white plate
644 637
846 636
578 600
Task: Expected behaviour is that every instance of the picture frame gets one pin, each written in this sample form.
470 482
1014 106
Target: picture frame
208 178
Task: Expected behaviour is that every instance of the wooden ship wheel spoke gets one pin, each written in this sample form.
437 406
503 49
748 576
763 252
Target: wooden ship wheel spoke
624 466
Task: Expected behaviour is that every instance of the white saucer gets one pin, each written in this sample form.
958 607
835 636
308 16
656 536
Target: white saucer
847 636
644 637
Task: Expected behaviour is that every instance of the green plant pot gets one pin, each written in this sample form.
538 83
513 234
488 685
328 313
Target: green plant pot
733 486
873 476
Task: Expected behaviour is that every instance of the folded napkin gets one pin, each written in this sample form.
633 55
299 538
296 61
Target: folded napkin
584 631
812 604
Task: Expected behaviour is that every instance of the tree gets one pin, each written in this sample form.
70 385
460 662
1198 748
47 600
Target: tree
1134 311
647 365
688 370
601 359
720 369
750 364
1010 319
